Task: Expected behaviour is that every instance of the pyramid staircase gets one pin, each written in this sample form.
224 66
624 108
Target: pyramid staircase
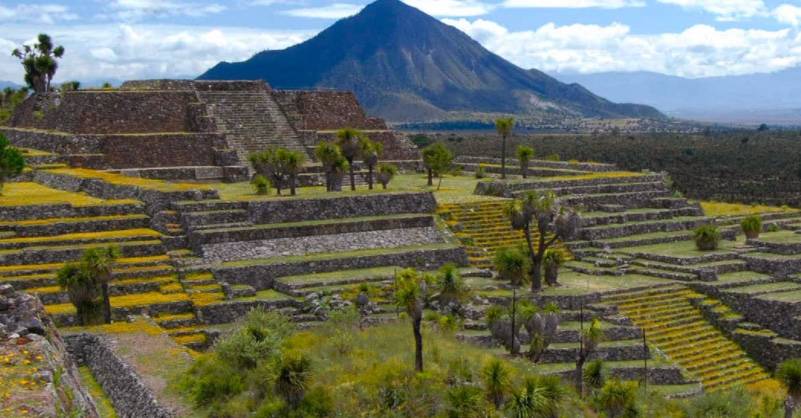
483 228
251 120
676 327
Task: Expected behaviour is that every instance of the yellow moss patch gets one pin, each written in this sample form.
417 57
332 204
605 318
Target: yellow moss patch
49 221
202 299
189 339
741 209
209 288
171 288
119 179
33 194
598 175
139 326
81 236
197 277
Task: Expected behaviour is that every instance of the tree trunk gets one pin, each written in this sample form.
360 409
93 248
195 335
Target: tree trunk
524 169
580 375
789 407
439 184
503 157
293 184
106 303
370 177
418 343
536 274
352 177
514 347
384 185
430 177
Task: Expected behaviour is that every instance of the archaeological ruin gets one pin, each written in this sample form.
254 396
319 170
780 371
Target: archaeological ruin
161 171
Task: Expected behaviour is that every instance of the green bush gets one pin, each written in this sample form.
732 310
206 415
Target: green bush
707 237
261 185
481 171
752 226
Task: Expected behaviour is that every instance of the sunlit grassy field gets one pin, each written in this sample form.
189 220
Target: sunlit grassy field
741 209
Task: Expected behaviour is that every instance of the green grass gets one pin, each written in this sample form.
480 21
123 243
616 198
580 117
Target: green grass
781 237
767 287
784 296
681 249
740 209
104 407
741 276
343 275
265 295
570 284
453 189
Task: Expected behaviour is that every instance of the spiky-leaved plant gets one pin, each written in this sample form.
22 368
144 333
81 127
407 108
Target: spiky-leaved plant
752 226
789 373
707 237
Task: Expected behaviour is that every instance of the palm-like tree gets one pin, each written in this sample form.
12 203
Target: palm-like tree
330 156
40 62
293 162
348 140
789 373
524 156
465 401
590 338
539 397
541 212
370 152
495 376
82 290
292 379
99 263
504 126
410 295
617 397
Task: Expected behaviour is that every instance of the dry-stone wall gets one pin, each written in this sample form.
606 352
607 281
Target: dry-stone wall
129 395
26 332
325 110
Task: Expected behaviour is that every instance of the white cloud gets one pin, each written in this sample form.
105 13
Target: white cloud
138 9
574 4
37 13
101 52
698 51
789 14
725 10
451 8
333 11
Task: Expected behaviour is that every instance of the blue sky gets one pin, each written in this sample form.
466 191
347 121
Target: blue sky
124 39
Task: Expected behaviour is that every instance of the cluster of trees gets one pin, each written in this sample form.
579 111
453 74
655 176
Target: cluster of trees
9 100
87 284
277 167
339 157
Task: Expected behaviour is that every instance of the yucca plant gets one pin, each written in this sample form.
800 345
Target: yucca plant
495 376
752 226
386 172
261 185
707 237
552 260
524 156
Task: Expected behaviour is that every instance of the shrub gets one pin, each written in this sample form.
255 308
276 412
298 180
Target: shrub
553 157
707 237
261 185
386 172
772 228
512 265
481 171
752 226
11 161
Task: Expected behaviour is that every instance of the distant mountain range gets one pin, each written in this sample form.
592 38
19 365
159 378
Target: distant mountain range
4 84
407 66
773 98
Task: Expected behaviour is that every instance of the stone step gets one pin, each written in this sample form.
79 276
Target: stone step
194 219
645 227
107 237
54 254
61 226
